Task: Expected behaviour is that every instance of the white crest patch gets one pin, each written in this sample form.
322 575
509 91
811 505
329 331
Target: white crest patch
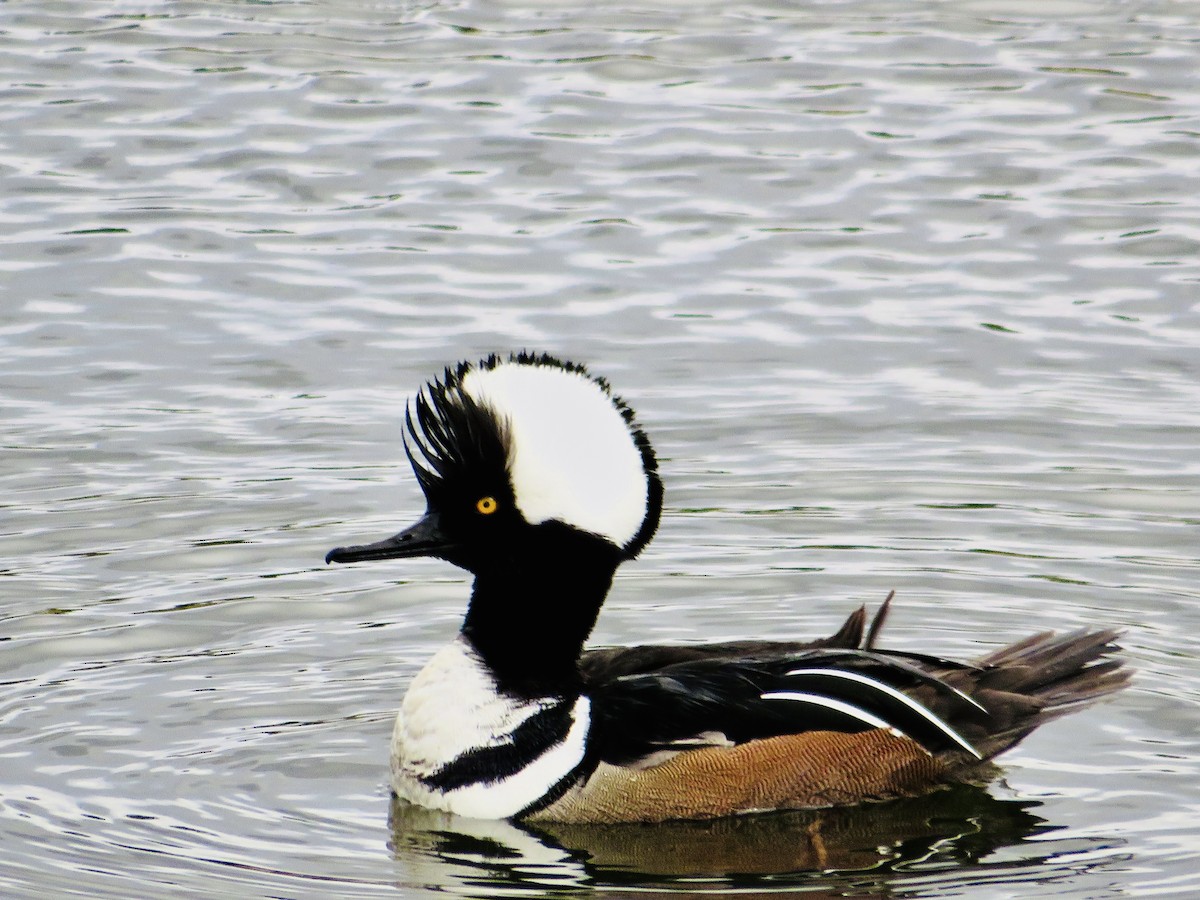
573 457
453 707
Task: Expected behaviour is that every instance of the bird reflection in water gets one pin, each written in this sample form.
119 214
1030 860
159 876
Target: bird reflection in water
956 827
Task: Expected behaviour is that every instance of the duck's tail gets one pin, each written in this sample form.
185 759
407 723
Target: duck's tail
1040 678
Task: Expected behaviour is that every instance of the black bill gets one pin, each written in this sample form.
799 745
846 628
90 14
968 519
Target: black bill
423 539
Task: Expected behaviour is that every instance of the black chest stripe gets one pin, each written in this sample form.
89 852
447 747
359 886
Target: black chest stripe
486 765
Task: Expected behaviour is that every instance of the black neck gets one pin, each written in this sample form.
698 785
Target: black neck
529 618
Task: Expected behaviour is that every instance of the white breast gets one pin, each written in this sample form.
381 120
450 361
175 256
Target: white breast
453 707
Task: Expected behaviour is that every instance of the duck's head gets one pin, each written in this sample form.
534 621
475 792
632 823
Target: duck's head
520 457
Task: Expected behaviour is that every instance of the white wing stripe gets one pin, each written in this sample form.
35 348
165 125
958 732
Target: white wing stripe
837 705
908 701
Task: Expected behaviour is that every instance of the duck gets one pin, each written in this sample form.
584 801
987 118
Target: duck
540 482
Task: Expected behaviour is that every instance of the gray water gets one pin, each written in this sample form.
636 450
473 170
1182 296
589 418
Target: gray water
904 292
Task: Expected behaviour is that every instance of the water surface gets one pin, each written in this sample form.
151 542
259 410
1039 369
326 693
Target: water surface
905 294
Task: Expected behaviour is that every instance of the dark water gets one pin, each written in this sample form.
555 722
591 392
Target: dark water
905 293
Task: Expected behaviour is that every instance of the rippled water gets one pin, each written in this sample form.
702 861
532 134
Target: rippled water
904 292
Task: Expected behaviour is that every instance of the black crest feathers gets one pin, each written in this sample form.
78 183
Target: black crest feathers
451 438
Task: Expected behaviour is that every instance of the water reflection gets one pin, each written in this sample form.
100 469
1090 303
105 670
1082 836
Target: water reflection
814 851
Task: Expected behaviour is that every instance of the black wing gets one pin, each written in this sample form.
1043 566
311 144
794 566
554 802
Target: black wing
647 700
717 700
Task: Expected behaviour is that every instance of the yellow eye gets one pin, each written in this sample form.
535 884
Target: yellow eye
486 505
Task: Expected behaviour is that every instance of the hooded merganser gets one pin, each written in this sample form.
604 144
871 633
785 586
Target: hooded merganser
539 481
